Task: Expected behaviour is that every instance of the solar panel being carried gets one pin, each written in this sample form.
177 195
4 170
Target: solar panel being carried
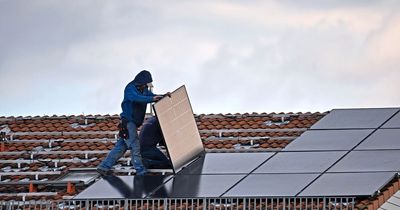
179 128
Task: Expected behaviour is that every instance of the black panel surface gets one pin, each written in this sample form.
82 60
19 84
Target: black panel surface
382 139
271 185
328 140
115 187
355 118
223 163
368 161
394 122
192 186
348 184
300 162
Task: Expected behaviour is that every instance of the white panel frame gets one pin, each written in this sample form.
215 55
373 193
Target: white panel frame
179 128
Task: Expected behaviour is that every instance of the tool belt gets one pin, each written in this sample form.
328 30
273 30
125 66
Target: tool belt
123 129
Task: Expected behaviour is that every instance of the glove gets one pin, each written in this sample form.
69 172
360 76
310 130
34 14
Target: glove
123 129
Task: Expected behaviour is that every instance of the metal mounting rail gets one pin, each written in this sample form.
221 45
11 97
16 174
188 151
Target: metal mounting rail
253 130
61 140
243 150
252 138
63 133
46 160
255 115
100 117
30 173
131 170
13 153
29 194
53 183
70 152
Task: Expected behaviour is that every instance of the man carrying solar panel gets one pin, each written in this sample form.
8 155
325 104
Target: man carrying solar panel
136 97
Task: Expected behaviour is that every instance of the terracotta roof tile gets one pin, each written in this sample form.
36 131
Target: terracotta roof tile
109 123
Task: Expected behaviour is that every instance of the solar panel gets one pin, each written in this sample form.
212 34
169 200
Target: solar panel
179 128
194 186
328 140
382 139
394 122
355 118
270 185
84 176
300 162
118 187
369 161
348 184
225 163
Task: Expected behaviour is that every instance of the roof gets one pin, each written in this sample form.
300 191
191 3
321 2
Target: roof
45 148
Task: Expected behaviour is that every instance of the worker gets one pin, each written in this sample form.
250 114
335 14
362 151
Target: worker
150 136
136 97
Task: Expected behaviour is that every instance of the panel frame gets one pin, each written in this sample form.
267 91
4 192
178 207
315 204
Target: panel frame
394 122
294 160
196 182
271 180
317 125
177 166
374 141
355 160
208 160
123 184
315 138
319 185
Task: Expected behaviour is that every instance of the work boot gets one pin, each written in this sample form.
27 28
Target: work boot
103 172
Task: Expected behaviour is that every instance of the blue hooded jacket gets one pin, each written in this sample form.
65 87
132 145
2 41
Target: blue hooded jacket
135 102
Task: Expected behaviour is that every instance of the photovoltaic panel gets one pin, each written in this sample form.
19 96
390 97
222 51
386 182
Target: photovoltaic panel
195 186
348 184
179 128
83 176
270 185
328 140
394 122
382 139
355 118
121 187
226 163
300 162
369 161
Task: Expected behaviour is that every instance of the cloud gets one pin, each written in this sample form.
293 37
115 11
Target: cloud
73 57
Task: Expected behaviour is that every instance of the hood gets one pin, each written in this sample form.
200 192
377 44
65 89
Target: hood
142 78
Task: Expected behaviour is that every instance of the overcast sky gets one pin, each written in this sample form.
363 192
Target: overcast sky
74 57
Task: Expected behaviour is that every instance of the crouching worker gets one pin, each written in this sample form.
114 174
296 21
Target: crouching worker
151 135
136 97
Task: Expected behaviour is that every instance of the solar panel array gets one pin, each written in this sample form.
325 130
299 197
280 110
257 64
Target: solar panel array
350 152
369 140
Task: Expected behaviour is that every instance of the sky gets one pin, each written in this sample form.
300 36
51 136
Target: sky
76 57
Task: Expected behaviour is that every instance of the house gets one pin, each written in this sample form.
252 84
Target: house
47 160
